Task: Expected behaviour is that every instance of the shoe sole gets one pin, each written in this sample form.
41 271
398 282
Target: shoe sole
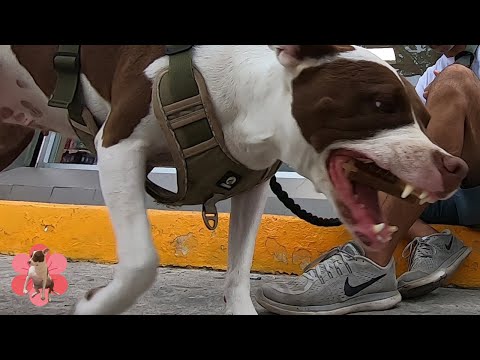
357 304
433 281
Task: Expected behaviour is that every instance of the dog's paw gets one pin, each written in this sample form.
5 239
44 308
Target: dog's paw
85 306
232 311
240 308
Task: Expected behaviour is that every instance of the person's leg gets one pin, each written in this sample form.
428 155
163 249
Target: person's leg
419 229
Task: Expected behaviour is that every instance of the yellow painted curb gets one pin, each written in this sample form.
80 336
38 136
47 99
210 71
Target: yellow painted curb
285 244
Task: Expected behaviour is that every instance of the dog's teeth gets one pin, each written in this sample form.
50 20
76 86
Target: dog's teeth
379 238
362 206
393 229
428 199
423 195
407 191
355 197
378 228
349 166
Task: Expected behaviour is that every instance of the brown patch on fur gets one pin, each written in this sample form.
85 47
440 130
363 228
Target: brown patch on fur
115 71
318 51
35 112
21 84
338 101
90 293
131 92
13 140
38 60
19 117
38 256
5 112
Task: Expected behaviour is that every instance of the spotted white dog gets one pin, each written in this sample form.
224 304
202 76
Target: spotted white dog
321 109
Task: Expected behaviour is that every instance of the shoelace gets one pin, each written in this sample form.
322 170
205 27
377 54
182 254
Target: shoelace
327 263
418 248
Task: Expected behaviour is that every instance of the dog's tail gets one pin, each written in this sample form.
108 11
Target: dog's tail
297 210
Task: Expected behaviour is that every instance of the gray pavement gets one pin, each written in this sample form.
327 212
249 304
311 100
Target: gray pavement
199 292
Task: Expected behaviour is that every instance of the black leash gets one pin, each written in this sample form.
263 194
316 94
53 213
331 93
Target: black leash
297 210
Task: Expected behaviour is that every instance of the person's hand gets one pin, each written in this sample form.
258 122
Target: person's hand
427 89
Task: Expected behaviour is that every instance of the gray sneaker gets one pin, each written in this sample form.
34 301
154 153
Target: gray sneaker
342 281
431 260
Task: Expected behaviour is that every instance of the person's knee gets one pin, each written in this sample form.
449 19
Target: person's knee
457 72
456 82
451 88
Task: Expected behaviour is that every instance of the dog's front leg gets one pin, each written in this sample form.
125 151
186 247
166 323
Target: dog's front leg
122 171
245 216
25 291
44 285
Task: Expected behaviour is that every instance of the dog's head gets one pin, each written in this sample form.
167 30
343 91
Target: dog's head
365 124
38 257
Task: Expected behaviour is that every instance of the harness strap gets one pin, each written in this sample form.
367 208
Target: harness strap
206 172
467 57
68 95
180 69
179 93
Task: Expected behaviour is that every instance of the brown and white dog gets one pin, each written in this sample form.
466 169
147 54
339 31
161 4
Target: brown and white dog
314 107
38 273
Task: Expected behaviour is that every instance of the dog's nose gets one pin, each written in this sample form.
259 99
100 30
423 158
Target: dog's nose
452 168
29 262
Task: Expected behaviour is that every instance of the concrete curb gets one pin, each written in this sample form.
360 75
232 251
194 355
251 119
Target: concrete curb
285 244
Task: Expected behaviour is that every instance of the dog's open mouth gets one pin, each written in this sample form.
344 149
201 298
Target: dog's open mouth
356 180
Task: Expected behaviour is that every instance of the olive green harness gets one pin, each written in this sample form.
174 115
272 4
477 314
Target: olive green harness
206 172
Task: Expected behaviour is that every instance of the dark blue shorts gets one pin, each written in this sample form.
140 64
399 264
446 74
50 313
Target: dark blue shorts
463 209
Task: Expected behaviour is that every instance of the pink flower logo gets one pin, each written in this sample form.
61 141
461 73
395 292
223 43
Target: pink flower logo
43 272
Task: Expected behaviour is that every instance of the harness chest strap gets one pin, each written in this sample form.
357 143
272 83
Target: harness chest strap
68 95
206 172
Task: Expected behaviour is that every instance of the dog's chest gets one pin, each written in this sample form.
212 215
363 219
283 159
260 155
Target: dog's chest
38 275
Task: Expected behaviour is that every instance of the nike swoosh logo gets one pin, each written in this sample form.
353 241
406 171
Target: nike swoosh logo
449 244
353 290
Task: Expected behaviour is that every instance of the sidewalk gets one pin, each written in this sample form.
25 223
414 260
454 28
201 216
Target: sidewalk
185 292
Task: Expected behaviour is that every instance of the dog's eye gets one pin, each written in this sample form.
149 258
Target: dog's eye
385 106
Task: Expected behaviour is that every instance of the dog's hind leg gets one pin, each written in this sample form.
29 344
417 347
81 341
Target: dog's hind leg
122 172
245 218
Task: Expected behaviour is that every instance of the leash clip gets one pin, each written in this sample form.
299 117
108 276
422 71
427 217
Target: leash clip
210 213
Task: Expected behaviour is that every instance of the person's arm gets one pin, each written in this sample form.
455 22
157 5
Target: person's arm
429 75
424 81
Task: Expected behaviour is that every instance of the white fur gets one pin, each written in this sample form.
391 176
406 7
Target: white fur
252 95
122 170
247 210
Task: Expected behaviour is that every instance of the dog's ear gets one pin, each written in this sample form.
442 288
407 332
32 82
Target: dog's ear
45 251
293 55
